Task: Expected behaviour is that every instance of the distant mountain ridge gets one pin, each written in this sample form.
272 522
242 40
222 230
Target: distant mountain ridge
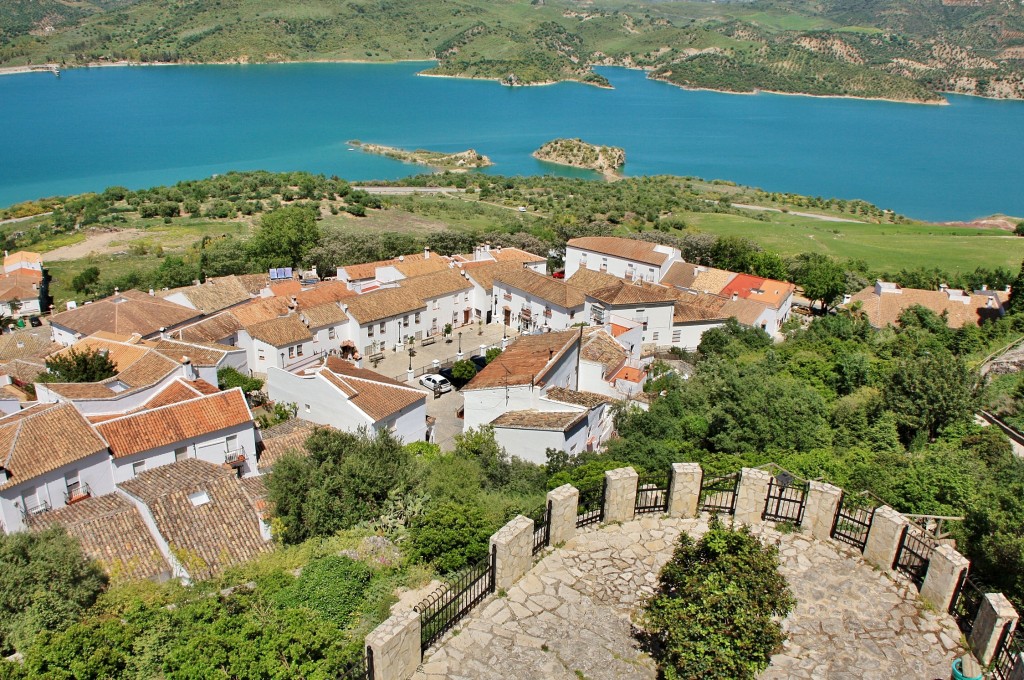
910 50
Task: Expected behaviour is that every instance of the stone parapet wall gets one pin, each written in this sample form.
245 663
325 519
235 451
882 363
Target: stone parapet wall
512 548
620 494
564 502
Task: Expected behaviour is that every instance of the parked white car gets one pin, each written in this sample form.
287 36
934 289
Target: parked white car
437 383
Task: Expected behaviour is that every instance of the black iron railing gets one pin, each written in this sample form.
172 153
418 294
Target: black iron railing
652 493
786 499
853 520
718 494
591 504
966 603
359 670
1008 651
447 605
542 529
913 555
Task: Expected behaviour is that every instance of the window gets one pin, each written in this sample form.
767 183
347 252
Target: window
331 333
291 352
437 304
298 350
138 468
655 335
307 407
261 356
676 337
180 453
417 317
73 483
465 298
231 442
381 328
405 321
199 498
572 315
369 331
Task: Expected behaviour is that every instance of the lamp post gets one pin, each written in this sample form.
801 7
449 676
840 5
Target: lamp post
459 355
409 376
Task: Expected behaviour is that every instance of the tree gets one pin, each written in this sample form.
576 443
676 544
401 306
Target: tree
1016 302
929 392
229 378
464 370
48 583
822 279
1019 229
85 279
450 536
78 366
284 237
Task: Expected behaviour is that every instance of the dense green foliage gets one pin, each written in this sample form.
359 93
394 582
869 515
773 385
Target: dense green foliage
712 615
229 378
78 366
792 47
47 584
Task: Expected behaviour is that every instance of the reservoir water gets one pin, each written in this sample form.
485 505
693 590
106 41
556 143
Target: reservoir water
142 126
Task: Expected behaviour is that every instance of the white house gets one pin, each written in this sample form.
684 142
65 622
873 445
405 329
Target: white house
446 296
217 428
23 260
611 365
384 319
349 398
532 301
52 457
628 259
328 324
283 342
481 276
775 298
122 314
484 253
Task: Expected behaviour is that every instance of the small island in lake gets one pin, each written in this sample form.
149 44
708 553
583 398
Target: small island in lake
461 161
578 154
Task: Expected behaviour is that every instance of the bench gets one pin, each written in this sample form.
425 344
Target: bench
379 356
429 340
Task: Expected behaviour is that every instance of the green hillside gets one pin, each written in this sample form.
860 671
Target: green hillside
866 49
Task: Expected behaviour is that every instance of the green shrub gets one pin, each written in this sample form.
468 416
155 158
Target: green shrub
334 586
450 536
712 614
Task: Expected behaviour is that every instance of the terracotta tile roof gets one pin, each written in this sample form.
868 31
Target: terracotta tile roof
217 327
176 391
589 280
625 248
22 257
484 272
205 354
419 266
120 351
214 295
262 309
747 312
24 370
125 313
324 292
681 275
20 285
328 314
712 280
43 438
525 361
603 349
515 255
254 283
280 332
74 391
691 307
373 394
28 276
435 285
415 264
203 512
383 304
559 421
766 291
27 343
631 294
178 422
286 289
629 374
291 435
543 287
148 370
885 309
577 397
111 532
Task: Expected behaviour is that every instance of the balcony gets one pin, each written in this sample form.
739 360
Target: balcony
547 313
235 457
76 494
507 297
39 508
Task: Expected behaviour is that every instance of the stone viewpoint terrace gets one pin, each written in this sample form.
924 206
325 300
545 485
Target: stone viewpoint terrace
557 597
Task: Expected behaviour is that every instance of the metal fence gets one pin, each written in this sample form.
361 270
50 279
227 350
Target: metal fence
542 529
591 504
786 499
966 603
853 520
359 670
718 494
1007 651
914 553
652 493
447 605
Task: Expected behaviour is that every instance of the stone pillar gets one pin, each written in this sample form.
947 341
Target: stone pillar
820 510
620 494
564 504
513 551
395 645
684 494
751 495
884 537
995 614
943 576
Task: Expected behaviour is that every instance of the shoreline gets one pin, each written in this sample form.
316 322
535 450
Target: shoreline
47 68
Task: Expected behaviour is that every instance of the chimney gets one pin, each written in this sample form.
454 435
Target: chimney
989 301
188 371
426 252
152 292
294 302
116 290
163 333
943 287
984 286
735 296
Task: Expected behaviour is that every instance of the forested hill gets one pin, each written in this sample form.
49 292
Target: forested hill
897 49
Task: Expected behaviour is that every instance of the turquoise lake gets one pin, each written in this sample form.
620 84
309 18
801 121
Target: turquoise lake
142 126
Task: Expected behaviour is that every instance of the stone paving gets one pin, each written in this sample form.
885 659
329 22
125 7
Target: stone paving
570 616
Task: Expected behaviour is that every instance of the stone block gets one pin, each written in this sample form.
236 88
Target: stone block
684 494
395 645
620 494
512 547
564 502
884 537
820 509
943 576
751 495
994 615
